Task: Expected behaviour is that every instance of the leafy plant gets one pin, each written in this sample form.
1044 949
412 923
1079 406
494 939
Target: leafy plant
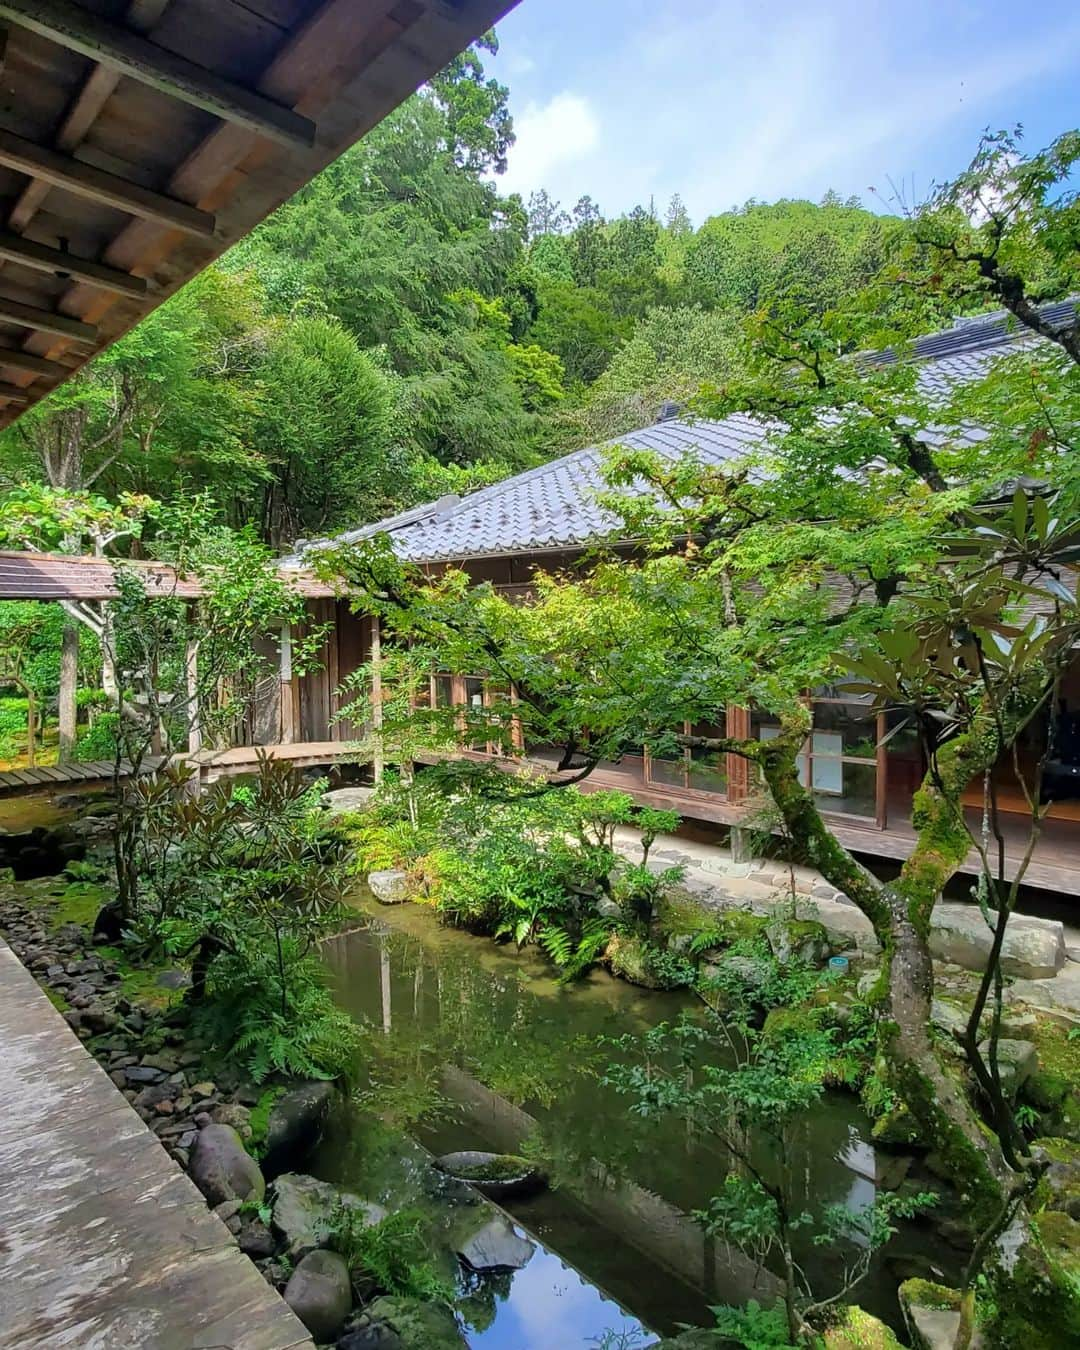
394 1253
754 1327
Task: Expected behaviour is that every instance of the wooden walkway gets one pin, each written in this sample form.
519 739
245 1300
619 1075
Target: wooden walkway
105 1244
213 763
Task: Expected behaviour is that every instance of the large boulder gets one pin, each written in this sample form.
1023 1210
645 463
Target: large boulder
320 1293
1016 1060
1033 949
223 1169
932 1314
419 1325
496 1246
304 1212
389 887
347 799
295 1124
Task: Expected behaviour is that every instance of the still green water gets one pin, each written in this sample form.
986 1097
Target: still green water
482 1044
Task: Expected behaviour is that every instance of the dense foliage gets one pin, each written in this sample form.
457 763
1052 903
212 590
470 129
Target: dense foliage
528 866
400 329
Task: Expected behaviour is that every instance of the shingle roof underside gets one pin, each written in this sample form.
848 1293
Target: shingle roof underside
554 506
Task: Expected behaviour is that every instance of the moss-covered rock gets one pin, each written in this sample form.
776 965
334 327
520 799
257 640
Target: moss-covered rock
420 1325
932 1313
1035 1303
897 1128
629 958
798 940
1059 1186
859 1330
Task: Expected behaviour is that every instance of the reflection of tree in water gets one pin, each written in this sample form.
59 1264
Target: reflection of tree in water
481 1294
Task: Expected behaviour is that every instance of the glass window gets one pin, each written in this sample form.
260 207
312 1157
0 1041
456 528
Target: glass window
668 770
845 787
442 686
847 728
701 770
707 770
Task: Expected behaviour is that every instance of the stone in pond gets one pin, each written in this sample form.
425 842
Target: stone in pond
304 1209
493 1174
419 1325
390 887
295 1124
223 1169
496 1246
320 1293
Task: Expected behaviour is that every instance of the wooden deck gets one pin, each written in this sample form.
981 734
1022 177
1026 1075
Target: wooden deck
104 1243
1055 865
213 763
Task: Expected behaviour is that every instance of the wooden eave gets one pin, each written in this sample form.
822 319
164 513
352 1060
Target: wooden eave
65 576
139 139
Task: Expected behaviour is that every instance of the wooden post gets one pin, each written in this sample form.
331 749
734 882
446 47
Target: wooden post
376 696
68 707
191 674
288 711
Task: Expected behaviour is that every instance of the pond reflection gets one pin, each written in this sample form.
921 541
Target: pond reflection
477 1046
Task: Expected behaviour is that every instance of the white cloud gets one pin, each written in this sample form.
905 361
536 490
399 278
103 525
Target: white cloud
550 136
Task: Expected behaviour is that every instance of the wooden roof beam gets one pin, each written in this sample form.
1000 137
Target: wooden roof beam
73 175
14 393
16 359
46 321
133 55
27 253
91 98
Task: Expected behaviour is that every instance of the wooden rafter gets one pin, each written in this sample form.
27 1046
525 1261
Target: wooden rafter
14 393
60 170
45 321
14 248
15 359
133 55
141 15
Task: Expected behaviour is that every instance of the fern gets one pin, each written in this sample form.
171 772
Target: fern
706 940
594 938
558 944
310 1038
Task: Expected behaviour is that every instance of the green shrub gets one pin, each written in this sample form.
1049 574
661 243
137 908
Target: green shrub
243 1017
99 740
395 1253
516 863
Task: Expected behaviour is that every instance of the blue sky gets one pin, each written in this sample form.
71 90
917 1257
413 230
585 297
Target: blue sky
722 100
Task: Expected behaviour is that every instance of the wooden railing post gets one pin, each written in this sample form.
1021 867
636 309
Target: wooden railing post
285 674
376 697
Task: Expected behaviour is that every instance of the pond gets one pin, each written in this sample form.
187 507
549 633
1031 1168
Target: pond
478 1047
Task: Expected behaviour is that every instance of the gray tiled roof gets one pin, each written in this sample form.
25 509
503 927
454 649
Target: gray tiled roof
554 506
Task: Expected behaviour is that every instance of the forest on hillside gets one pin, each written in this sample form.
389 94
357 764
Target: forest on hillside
401 329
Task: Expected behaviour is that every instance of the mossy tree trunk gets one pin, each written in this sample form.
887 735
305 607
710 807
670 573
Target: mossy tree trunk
993 1191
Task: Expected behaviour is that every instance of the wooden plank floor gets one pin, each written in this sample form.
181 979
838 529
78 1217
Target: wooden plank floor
235 760
105 1244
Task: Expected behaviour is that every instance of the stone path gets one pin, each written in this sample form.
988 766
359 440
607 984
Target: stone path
104 1243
